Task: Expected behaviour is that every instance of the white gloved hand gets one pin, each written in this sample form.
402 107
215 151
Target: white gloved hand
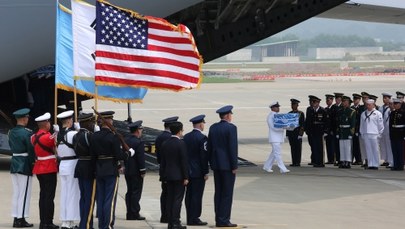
96 128
55 127
299 137
324 135
132 151
337 136
357 134
76 125
350 137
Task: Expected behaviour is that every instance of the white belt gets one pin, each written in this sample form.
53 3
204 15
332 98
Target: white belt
46 158
344 126
20 154
398 126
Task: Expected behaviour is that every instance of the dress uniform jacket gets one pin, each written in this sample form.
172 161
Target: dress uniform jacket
223 146
85 164
174 162
346 123
105 147
159 141
135 165
23 151
371 123
197 153
66 152
317 122
275 134
44 146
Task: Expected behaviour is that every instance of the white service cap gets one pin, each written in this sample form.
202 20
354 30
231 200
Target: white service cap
370 101
43 117
65 114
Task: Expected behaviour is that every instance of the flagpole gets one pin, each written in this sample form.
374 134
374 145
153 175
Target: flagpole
75 98
96 96
55 105
129 120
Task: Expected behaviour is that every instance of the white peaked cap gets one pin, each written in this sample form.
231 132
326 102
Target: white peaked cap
370 101
43 117
65 114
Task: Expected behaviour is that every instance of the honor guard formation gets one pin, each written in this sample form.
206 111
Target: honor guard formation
89 156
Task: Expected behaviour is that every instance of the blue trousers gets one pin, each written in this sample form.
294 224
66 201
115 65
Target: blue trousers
193 200
107 187
87 199
224 181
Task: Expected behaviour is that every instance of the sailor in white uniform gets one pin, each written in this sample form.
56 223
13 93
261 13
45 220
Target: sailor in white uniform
276 138
70 192
385 141
371 128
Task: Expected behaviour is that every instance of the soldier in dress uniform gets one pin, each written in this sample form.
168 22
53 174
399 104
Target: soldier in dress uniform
362 108
85 169
276 138
69 191
316 126
371 128
329 138
356 144
295 136
333 124
223 157
135 171
385 142
197 155
166 134
174 171
21 168
397 134
400 96
45 168
346 123
106 150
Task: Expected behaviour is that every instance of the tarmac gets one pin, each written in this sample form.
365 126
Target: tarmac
306 197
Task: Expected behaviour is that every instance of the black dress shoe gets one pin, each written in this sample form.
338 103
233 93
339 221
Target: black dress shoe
329 163
21 223
197 223
51 226
227 225
310 163
178 226
140 218
372 168
319 166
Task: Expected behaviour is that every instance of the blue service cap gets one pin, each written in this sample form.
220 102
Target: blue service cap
225 110
21 113
327 96
170 119
198 119
107 114
85 117
135 125
294 101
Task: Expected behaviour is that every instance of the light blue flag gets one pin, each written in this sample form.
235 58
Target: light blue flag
286 121
64 67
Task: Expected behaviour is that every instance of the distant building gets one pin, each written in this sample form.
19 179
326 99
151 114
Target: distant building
284 51
340 53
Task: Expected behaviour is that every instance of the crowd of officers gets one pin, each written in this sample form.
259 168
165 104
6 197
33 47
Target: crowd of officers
355 133
89 159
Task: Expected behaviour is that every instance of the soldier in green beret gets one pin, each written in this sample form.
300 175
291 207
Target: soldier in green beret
21 168
346 123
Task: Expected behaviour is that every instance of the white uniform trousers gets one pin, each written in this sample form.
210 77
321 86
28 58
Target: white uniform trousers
362 148
386 150
371 146
345 146
22 186
69 198
275 155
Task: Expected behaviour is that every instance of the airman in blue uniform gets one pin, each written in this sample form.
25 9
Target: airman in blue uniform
135 171
21 168
223 157
197 154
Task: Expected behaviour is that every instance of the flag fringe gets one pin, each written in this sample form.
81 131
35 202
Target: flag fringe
81 92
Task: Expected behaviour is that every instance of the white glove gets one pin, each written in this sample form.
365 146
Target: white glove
350 137
299 137
324 135
96 128
55 128
132 151
337 136
357 134
76 125
379 136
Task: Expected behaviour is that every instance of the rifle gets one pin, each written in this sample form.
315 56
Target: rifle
112 128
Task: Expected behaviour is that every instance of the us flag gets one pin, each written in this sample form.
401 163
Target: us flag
143 51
